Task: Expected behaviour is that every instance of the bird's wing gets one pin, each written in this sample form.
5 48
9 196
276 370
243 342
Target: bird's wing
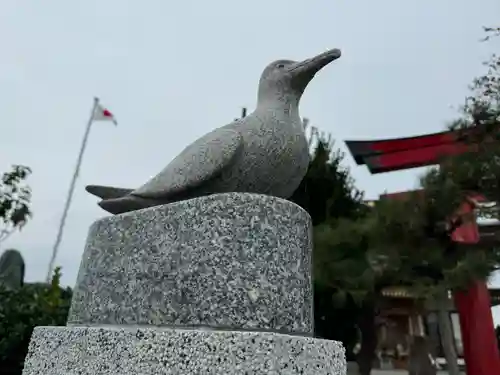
199 162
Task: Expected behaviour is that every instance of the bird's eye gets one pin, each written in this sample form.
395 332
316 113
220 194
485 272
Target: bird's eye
280 66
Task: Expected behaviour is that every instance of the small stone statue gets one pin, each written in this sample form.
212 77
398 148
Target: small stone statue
265 152
420 362
11 269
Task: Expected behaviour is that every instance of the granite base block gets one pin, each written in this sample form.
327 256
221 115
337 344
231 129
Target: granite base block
235 260
154 351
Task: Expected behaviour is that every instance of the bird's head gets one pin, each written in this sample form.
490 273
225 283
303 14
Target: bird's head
285 80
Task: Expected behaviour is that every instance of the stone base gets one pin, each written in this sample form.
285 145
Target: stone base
118 351
226 261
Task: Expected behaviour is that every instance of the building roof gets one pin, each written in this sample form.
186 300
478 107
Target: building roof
402 292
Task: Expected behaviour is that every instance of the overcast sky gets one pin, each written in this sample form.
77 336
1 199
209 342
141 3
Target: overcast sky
172 71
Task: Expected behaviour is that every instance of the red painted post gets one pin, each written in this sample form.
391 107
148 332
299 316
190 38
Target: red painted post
478 334
481 354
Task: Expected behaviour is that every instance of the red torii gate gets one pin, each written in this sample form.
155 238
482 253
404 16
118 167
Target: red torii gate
481 353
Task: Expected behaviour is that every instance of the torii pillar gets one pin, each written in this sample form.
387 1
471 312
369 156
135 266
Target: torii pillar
481 353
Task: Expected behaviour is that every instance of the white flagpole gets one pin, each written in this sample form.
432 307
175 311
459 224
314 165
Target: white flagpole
70 192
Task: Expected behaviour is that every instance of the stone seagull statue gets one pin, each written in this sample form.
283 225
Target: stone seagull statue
265 152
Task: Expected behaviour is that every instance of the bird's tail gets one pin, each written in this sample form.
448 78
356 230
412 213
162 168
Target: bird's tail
127 203
107 192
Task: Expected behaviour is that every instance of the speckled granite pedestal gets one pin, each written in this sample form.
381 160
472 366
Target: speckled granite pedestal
213 285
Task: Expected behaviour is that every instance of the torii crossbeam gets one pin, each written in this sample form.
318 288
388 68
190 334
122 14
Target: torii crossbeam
481 353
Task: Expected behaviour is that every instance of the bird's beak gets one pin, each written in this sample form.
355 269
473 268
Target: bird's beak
313 65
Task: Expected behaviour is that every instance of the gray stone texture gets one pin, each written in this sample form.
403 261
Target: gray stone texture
11 269
264 153
219 284
236 260
146 351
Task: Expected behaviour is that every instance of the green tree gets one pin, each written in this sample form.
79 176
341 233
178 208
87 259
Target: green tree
327 192
342 263
15 198
330 308
23 309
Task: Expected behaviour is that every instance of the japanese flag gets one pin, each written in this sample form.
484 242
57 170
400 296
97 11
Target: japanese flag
102 114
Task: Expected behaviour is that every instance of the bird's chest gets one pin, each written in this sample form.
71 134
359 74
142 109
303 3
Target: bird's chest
275 151
275 143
